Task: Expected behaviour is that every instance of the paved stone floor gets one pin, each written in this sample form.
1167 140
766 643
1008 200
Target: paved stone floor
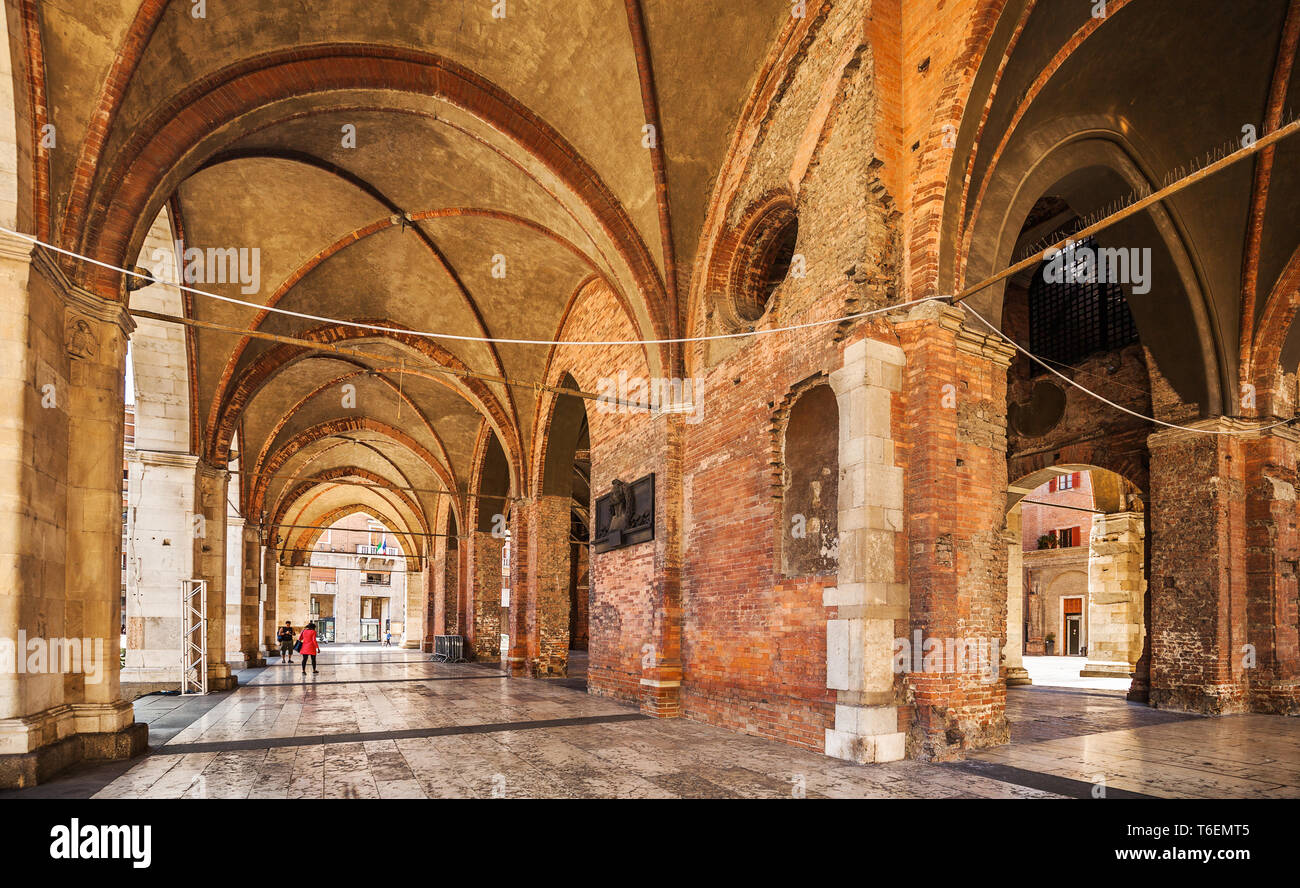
388 723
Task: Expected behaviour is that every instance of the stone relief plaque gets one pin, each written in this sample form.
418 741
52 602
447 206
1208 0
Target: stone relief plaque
79 338
626 515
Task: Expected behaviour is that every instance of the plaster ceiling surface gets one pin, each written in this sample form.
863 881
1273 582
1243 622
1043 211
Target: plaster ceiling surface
315 176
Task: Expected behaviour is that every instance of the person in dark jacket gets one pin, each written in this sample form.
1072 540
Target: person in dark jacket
285 636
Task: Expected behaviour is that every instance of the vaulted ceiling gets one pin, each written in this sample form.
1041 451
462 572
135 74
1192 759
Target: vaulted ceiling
389 161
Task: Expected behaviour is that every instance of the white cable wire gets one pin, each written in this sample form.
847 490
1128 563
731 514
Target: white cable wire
1088 391
682 340
379 329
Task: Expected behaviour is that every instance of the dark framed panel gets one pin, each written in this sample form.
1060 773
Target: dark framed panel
626 515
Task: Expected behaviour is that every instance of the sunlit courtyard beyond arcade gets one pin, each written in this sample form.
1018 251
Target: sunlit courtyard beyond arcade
649 399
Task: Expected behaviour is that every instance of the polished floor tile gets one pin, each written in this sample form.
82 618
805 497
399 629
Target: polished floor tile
387 723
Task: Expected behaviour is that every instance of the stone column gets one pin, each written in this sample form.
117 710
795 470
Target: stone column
293 596
486 587
1198 569
235 657
160 554
870 603
437 604
1013 650
251 629
1116 595
210 488
413 625
62 353
269 592
957 548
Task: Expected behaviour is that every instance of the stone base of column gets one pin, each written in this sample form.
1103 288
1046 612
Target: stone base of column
410 645
661 699
1139 691
550 667
516 666
37 747
220 677
1106 669
1017 675
866 734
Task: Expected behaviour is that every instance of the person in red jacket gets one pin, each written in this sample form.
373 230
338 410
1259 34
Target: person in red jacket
309 647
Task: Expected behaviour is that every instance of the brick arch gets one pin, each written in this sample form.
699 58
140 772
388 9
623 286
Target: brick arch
739 247
234 395
292 494
780 420
330 384
335 427
27 186
103 226
1042 159
1044 76
1261 366
308 540
1032 471
583 363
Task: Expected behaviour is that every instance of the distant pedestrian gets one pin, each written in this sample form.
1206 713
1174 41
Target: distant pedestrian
285 637
308 647
388 639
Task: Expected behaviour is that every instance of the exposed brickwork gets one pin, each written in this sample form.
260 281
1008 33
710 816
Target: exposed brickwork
956 481
1198 603
486 588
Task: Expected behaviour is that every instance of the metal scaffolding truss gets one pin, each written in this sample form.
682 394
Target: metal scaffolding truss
194 637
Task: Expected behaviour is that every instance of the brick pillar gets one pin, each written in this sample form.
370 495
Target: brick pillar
516 653
661 662
486 587
548 586
1198 569
1013 651
956 519
869 604
1116 595
1272 554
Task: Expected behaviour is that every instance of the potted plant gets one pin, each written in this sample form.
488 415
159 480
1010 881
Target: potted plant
1050 641
1047 541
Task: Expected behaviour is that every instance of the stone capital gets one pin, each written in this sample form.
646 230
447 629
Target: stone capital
79 302
171 459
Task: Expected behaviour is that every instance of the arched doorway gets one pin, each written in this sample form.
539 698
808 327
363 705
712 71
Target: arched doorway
1077 609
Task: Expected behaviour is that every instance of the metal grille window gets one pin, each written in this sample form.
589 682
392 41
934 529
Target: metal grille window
1070 320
